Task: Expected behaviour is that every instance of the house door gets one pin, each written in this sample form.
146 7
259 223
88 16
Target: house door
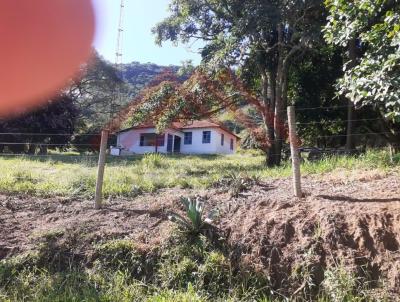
170 142
177 144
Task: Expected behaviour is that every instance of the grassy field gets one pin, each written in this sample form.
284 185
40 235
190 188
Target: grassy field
75 176
185 269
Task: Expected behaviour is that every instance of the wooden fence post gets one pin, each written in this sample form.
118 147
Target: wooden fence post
100 169
294 142
391 153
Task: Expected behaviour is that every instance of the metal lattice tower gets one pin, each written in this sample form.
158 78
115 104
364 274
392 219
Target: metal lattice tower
118 50
116 99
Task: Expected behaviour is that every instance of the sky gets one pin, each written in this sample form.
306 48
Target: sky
138 42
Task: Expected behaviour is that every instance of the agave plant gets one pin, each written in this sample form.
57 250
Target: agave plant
194 211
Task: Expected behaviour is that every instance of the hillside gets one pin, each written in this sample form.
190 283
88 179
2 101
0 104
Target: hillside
102 83
138 75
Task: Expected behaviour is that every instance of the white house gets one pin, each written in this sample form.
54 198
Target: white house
197 137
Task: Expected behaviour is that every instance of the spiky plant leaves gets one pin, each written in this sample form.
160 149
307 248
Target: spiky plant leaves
194 210
179 220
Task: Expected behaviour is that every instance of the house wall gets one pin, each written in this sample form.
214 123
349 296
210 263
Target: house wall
214 147
226 148
130 141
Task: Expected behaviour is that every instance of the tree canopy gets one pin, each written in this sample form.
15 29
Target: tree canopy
50 125
375 26
265 36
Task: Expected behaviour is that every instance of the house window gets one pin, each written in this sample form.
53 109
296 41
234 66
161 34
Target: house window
231 143
222 139
188 138
151 139
206 137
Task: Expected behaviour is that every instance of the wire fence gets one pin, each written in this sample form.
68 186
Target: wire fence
80 141
339 121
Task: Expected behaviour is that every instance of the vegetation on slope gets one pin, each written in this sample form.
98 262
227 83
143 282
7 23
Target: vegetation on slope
184 269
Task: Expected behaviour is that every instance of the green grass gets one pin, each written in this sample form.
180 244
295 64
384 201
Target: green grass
75 176
186 269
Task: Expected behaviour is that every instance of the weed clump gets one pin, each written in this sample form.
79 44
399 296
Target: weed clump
341 285
154 160
83 186
124 255
198 262
236 183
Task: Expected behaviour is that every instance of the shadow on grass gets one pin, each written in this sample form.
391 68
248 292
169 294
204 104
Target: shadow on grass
352 199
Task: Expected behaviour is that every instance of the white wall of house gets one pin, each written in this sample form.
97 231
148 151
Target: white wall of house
129 141
225 148
214 147
197 146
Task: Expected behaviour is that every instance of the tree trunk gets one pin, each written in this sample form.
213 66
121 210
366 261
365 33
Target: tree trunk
274 152
276 91
43 150
350 145
268 95
32 149
280 90
280 113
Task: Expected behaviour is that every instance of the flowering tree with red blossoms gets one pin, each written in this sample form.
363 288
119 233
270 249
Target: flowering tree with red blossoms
201 96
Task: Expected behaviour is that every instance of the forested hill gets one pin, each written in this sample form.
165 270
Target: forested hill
139 75
93 93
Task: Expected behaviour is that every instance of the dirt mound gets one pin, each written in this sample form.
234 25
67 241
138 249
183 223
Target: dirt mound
354 224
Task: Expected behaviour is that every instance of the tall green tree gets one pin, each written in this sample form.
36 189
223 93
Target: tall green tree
269 34
50 125
99 94
373 27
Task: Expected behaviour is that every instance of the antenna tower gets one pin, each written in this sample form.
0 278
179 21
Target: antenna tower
118 59
118 50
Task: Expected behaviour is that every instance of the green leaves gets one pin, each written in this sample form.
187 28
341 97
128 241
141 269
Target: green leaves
375 78
194 211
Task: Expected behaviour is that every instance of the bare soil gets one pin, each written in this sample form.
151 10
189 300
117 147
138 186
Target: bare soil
349 217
